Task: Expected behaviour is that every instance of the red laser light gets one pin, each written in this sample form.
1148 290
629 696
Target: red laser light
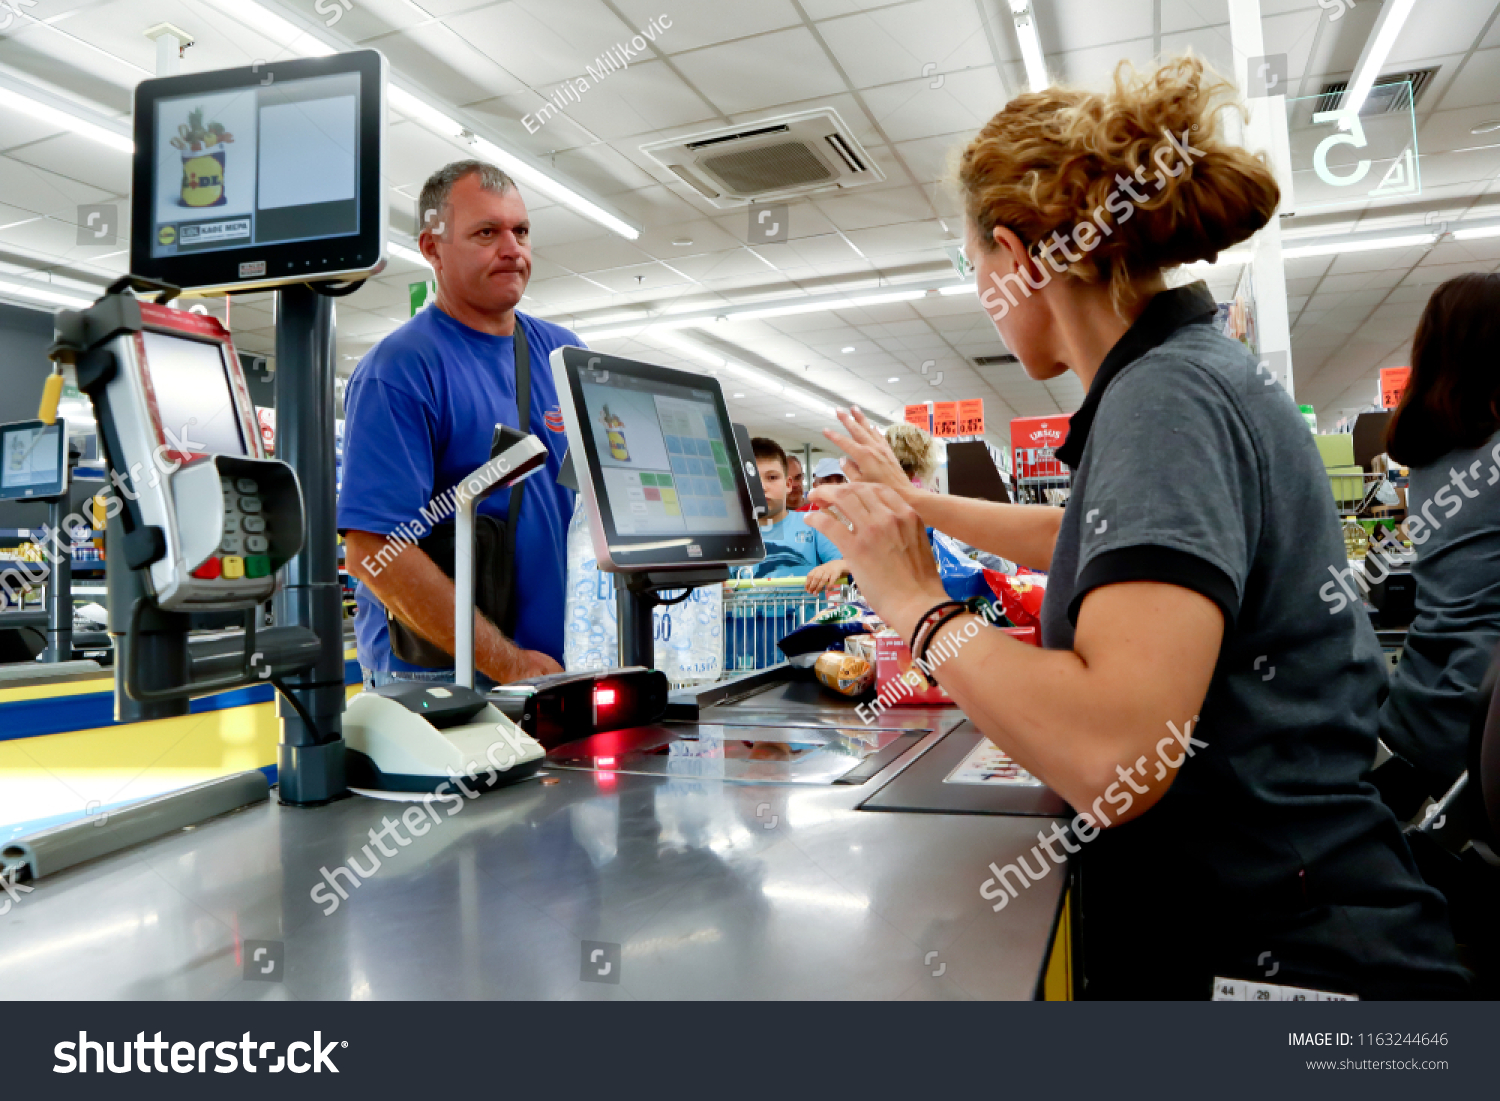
603 696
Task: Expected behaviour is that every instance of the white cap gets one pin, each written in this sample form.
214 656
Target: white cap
827 468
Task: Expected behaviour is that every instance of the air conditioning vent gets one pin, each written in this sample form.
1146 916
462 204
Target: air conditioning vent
1395 92
722 138
776 159
768 168
994 361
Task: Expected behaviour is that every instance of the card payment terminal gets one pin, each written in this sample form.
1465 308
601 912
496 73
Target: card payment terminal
207 516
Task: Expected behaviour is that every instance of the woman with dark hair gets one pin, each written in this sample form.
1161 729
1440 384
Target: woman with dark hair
1205 716
1447 430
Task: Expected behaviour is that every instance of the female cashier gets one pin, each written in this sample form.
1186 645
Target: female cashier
1204 712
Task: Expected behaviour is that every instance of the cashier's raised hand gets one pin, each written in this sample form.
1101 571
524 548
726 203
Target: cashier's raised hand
884 546
870 458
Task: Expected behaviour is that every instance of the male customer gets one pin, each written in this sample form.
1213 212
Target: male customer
796 496
792 548
421 409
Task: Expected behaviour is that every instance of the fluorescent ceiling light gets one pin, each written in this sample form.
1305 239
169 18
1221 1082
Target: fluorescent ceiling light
45 113
712 314
758 379
423 112
281 31
640 328
688 348
1477 233
807 401
407 253
1331 248
41 294
292 37
1378 46
815 306
1024 14
958 288
524 173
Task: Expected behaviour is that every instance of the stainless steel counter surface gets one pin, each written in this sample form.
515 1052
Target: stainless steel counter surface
685 888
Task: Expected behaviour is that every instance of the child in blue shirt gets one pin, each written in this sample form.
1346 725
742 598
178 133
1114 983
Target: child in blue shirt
792 548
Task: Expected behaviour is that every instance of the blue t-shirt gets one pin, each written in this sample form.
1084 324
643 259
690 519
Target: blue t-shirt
420 411
793 548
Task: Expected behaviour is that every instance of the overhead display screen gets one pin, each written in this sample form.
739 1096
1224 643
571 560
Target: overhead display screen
261 175
231 171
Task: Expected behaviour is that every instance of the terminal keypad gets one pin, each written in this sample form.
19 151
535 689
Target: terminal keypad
244 548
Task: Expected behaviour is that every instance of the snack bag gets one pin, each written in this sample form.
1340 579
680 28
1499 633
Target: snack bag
1021 596
963 578
844 673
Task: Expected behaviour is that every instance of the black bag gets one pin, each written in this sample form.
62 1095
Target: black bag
494 551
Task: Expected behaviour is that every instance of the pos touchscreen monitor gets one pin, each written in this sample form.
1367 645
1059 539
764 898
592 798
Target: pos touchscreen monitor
664 483
260 176
33 460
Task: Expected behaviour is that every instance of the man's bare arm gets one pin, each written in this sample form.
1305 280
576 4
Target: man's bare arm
422 596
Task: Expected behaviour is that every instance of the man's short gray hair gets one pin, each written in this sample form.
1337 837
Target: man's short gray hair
432 207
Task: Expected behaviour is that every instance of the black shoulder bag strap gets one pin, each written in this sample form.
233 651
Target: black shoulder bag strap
513 510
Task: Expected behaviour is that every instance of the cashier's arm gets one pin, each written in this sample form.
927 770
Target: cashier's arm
422 596
1025 534
1107 724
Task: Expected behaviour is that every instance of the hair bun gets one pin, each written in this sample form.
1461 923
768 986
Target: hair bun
1138 176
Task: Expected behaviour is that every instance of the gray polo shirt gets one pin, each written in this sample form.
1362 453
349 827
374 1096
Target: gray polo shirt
1457 626
1188 468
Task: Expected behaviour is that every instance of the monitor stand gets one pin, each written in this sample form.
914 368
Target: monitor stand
637 595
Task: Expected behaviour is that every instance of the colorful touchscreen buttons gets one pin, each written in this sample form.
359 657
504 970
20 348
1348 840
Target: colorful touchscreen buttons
257 565
234 566
208 571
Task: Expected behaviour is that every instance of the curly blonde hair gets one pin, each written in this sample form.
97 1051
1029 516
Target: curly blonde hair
915 451
1063 160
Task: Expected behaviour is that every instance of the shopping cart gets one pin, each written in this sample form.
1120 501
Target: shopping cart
759 613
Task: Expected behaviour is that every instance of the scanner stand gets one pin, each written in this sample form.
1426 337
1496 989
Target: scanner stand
419 738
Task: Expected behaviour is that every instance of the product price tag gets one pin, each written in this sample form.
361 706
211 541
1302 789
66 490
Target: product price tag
1393 385
945 419
971 417
919 415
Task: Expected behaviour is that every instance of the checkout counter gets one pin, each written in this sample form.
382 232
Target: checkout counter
756 840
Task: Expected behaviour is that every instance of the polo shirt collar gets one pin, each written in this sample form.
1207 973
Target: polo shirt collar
1164 315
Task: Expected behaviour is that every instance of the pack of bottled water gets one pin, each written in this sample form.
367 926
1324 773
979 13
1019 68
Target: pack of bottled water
689 636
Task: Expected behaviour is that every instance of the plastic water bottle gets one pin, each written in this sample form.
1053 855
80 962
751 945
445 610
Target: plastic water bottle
689 636
590 636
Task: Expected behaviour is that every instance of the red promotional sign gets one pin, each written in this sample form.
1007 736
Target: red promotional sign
945 419
1393 385
1033 441
971 417
919 415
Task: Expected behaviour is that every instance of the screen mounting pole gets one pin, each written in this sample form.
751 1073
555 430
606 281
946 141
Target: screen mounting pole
311 762
60 584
